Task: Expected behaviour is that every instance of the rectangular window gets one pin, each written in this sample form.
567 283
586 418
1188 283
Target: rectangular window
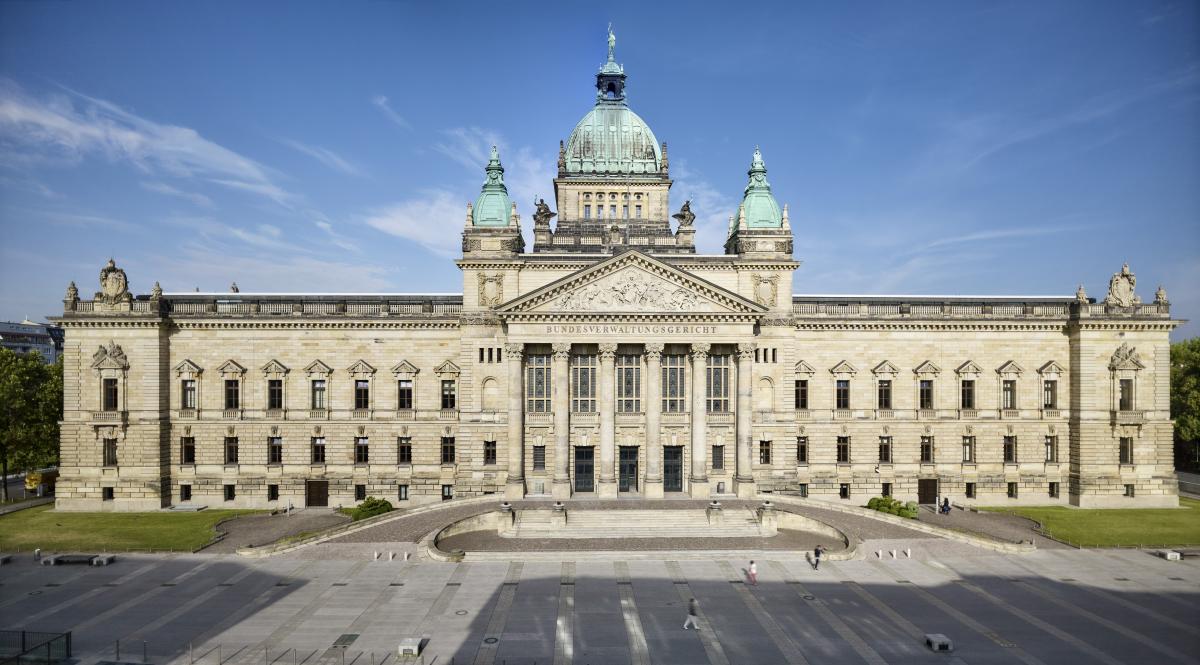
272 492
539 458
187 450
612 212
887 489
844 490
717 389
927 449
587 211
402 492
802 450
801 393
362 450
884 391
1053 490
1010 450
843 450
885 450
187 398
404 394
275 450
1051 448
537 383
637 211
764 452
449 395
110 452
970 490
1049 394
230 492
360 492
968 449
362 394
489 452
1126 451
1012 490
403 450
804 490
1126 399
447 450
925 394
718 458
629 384
1129 491
274 393
625 211
674 392
968 394
233 394
107 494
842 394
185 492
109 397
583 383
231 450
1008 394
447 492
318 450
318 394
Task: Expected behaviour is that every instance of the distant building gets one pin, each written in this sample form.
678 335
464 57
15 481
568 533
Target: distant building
28 336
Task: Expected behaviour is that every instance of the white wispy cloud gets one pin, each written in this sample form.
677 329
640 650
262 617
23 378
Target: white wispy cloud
30 185
325 156
469 146
997 234
711 206
381 102
169 190
433 220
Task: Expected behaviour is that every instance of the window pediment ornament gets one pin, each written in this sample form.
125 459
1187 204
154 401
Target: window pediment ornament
318 369
188 369
968 369
275 369
447 369
843 368
230 369
927 367
1125 358
361 370
1010 368
110 357
404 370
1051 368
804 369
885 368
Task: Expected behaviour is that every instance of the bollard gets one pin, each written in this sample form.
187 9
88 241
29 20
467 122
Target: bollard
293 657
893 554
265 659
219 661
191 659
37 554
908 552
406 556
144 658
376 556
391 556
879 554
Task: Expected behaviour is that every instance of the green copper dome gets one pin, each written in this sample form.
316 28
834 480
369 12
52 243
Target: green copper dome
761 210
611 138
492 208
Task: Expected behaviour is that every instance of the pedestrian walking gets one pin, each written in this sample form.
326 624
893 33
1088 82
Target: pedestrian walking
753 573
817 553
693 618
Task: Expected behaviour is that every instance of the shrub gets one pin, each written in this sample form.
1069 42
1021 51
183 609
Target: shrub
873 504
370 507
909 513
893 506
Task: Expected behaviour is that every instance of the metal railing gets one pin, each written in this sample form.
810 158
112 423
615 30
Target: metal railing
27 647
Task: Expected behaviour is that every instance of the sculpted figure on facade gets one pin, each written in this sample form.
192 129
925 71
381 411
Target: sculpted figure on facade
542 213
1160 296
491 289
633 291
1121 289
114 286
110 357
1081 296
685 214
1125 357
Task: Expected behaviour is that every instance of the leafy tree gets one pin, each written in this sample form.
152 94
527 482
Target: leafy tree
1185 393
30 408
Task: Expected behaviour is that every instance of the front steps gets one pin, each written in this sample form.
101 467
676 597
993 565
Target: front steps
597 524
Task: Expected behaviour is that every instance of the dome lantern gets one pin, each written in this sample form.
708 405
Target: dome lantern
492 206
759 207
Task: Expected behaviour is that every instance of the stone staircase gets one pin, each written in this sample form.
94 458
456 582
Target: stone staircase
737 523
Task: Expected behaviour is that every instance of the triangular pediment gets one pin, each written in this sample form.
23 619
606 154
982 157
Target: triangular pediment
927 367
361 367
969 367
1051 368
187 367
1010 367
885 367
231 367
1126 358
804 368
447 367
275 367
843 367
318 367
631 282
404 368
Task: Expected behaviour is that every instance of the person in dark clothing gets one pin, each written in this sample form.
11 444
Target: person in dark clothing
693 617
817 553
946 506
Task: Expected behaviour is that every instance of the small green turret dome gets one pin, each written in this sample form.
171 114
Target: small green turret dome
492 208
761 209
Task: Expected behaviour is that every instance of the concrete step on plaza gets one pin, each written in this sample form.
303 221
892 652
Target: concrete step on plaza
636 524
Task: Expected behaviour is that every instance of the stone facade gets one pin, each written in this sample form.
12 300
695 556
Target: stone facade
610 359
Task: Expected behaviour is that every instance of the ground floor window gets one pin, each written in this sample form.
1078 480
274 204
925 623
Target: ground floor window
718 458
230 492
802 450
489 452
1012 490
110 452
402 493
272 492
1129 491
107 493
1126 450
764 452
970 490
539 458
447 450
887 489
360 492
844 491
185 492
447 492
1053 490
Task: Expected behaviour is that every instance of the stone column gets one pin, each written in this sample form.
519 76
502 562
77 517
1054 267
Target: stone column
744 477
652 405
515 489
608 426
562 422
698 485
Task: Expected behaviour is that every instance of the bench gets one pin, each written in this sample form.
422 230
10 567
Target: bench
1188 554
410 646
5 558
103 559
57 559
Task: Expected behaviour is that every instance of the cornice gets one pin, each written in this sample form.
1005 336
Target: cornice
356 324
611 317
933 325
1126 324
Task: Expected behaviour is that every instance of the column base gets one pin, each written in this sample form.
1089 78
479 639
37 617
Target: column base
606 489
515 489
561 489
698 488
745 487
652 489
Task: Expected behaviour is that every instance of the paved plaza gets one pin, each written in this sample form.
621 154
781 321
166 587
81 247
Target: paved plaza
1050 606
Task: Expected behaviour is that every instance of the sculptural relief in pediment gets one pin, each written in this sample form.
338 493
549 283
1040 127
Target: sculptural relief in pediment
632 290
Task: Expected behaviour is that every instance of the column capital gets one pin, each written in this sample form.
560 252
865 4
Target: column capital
608 350
654 350
514 351
562 350
746 350
700 350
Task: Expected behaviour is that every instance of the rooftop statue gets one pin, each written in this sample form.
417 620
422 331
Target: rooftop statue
612 42
1120 289
685 214
542 214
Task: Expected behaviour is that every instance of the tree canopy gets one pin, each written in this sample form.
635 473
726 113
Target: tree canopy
1185 388
31 403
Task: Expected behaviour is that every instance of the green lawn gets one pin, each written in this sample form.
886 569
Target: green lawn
108 532
1119 527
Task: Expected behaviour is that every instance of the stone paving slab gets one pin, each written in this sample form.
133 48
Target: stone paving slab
257 530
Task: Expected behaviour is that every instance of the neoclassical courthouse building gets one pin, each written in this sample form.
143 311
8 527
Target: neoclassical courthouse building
610 359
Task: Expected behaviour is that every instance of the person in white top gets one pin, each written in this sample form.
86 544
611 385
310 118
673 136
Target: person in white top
753 573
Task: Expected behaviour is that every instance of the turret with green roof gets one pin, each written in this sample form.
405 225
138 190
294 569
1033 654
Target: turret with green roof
493 207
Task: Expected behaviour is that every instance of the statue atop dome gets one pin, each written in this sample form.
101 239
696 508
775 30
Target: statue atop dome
612 43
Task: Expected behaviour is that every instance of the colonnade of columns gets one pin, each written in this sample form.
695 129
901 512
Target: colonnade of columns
651 402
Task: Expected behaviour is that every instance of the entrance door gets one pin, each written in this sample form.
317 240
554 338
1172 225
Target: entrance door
927 490
316 493
672 468
628 469
585 465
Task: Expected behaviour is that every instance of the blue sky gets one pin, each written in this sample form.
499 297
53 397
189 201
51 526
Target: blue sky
925 147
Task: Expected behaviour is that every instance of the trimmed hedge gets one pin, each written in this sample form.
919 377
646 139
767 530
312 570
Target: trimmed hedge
886 504
370 507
